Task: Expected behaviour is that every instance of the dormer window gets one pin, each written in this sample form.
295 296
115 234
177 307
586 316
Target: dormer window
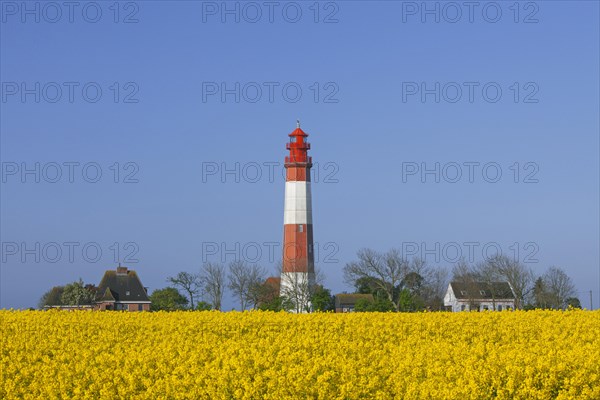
463 292
482 292
127 293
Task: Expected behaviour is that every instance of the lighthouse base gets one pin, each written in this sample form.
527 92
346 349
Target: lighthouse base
297 288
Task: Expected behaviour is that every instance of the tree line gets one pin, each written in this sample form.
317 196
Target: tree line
250 287
205 290
398 284
395 283
73 294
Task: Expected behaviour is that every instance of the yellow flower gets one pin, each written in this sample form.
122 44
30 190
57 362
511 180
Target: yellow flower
255 355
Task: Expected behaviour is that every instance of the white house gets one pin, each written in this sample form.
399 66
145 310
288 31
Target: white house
479 296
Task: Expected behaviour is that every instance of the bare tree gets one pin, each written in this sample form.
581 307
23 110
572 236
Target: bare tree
519 277
257 279
212 276
387 271
262 292
189 283
463 272
466 274
419 266
540 294
297 288
559 287
488 274
436 284
243 278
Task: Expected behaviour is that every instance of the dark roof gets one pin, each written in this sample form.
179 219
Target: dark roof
351 298
121 285
107 296
482 290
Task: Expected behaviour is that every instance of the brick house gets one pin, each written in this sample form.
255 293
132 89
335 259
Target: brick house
345 302
479 296
121 290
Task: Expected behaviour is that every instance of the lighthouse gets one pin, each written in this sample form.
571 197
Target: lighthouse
298 267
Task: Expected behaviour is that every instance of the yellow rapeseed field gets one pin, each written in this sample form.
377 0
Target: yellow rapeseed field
256 355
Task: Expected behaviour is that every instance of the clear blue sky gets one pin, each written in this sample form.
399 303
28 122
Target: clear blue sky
367 126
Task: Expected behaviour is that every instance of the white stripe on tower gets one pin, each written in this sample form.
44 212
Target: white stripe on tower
298 203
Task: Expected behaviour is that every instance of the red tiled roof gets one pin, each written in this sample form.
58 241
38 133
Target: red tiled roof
273 281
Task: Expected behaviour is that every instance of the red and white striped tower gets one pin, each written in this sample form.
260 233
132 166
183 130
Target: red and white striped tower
298 269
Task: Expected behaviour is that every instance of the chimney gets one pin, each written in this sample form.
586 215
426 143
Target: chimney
121 270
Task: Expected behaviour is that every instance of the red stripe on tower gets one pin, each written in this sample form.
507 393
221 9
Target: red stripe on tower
298 270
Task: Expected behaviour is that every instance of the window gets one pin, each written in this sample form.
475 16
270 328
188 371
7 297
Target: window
140 307
499 307
127 293
482 292
463 292
293 139
462 308
485 307
300 228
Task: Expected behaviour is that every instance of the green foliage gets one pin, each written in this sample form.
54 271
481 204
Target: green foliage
52 297
410 301
408 295
278 303
383 305
405 300
363 305
368 285
204 306
379 305
413 282
365 285
322 300
75 294
167 299
573 302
